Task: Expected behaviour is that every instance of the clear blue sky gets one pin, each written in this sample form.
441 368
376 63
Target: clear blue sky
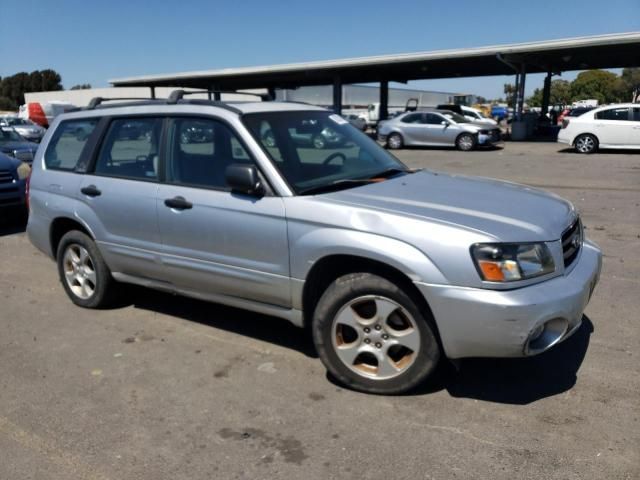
92 41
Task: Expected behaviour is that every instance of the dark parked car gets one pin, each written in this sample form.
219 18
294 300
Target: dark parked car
12 144
13 177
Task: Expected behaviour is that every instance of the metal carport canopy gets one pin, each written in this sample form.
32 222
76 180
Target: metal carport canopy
580 53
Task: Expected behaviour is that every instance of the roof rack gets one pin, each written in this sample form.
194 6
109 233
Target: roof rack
95 101
177 95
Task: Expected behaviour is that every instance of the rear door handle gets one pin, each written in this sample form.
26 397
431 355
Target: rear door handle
178 203
91 191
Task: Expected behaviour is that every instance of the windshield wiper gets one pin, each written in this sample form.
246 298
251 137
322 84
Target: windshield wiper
389 172
334 186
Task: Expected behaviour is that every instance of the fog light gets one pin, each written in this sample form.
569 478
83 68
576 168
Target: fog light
545 336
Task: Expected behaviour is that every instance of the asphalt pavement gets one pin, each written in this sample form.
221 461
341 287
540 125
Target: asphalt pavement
165 387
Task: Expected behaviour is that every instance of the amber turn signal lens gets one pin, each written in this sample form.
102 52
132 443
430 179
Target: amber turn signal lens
491 271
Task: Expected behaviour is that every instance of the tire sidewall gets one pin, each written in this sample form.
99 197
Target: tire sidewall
103 275
400 141
347 288
474 142
592 137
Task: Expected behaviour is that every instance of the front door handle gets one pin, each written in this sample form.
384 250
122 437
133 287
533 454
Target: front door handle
91 191
178 203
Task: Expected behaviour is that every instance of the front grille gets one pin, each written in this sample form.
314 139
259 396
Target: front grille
6 176
572 242
24 155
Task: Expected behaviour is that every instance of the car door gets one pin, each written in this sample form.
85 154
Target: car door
216 241
613 126
441 131
118 196
412 129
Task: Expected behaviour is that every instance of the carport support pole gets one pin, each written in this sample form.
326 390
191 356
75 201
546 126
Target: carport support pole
337 95
523 77
546 94
153 92
515 96
384 100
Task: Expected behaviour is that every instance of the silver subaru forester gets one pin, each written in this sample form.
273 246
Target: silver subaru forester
392 269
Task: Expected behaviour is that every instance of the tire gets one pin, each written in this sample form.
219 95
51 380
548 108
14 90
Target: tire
392 359
586 143
319 142
83 273
395 141
466 142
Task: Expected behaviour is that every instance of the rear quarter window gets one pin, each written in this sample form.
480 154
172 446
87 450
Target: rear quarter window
65 148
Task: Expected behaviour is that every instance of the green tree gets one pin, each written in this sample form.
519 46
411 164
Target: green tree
629 85
559 94
509 90
14 87
599 84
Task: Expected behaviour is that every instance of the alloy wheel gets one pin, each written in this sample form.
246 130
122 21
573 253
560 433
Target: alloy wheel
79 271
375 337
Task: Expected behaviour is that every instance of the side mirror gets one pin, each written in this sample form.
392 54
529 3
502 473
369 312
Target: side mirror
243 178
444 122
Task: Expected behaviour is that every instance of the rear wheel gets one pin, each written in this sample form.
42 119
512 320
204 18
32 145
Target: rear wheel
372 337
83 272
466 142
586 143
395 141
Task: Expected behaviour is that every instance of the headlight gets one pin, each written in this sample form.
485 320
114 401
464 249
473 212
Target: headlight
24 170
509 262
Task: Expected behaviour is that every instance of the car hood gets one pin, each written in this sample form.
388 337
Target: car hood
11 146
506 211
8 163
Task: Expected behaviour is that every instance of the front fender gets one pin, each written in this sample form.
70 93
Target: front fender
308 247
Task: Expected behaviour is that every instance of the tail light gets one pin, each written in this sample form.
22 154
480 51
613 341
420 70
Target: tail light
565 122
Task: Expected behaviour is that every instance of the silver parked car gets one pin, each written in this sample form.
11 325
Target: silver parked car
391 268
26 128
441 128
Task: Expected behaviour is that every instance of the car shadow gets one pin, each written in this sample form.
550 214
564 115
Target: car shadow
12 222
242 322
517 381
613 151
520 381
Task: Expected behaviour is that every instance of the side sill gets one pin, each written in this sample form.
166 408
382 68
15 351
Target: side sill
291 314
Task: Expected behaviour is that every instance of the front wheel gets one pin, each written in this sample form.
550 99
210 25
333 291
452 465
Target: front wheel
372 337
586 143
395 141
466 142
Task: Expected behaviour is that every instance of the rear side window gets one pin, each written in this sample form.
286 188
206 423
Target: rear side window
130 149
636 114
65 148
613 114
412 118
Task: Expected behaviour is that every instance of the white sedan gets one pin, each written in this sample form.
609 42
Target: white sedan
613 126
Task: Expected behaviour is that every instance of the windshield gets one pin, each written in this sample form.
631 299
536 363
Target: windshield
317 149
7 135
456 117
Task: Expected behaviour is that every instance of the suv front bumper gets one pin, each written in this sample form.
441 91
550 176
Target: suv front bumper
501 323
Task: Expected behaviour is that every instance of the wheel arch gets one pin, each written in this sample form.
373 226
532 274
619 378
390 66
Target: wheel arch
62 225
331 267
587 132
